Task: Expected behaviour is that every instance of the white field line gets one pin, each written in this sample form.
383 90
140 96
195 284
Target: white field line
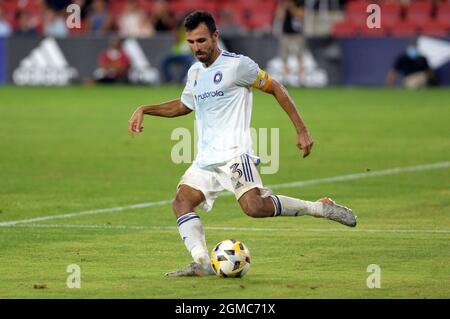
243 229
86 212
342 178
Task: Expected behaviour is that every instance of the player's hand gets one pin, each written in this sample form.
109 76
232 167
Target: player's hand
305 142
135 122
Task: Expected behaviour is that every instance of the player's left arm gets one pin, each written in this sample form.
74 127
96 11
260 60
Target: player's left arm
265 83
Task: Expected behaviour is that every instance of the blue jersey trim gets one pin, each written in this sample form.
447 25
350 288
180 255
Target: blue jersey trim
230 55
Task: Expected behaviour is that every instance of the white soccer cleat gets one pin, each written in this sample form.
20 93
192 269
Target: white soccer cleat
338 213
193 269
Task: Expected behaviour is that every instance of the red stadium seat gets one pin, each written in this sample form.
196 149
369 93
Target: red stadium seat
434 28
373 33
238 14
180 8
419 12
344 29
390 13
256 5
9 6
74 32
147 5
177 8
9 10
117 7
443 13
356 11
404 29
32 6
260 20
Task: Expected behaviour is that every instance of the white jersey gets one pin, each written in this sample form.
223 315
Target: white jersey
221 97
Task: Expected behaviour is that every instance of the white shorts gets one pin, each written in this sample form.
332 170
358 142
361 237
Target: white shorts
238 175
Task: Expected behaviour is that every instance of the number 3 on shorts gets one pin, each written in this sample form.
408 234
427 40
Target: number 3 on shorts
235 168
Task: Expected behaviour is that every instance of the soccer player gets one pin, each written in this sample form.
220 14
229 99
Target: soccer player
219 90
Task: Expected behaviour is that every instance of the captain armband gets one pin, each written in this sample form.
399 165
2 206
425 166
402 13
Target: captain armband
262 81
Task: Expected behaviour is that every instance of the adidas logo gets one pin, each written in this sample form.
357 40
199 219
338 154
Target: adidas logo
45 65
141 71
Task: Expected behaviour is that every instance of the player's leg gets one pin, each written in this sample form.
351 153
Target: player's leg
186 200
284 53
254 205
189 223
300 48
196 188
191 230
278 205
248 190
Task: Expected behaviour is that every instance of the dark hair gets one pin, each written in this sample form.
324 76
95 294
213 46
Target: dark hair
193 20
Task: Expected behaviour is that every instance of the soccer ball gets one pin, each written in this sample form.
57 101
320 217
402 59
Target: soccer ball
230 258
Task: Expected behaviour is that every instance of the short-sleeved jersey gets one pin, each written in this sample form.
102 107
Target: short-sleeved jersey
221 97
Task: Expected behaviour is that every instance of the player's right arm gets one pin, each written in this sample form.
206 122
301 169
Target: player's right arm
172 108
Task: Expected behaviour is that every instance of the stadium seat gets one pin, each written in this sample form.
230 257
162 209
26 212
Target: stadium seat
260 16
443 13
210 6
390 13
9 10
180 8
404 29
32 6
356 12
117 7
374 33
434 28
177 8
147 5
259 20
419 12
344 29
237 7
256 5
9 6
74 32
238 14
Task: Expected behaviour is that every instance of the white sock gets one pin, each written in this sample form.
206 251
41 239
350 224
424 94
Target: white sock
288 206
193 236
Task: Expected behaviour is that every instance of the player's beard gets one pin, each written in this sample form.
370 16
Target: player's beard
205 57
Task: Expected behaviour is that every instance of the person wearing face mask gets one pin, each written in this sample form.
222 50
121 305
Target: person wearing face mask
414 68
113 64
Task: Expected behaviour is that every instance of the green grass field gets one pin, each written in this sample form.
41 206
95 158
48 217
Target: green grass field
67 150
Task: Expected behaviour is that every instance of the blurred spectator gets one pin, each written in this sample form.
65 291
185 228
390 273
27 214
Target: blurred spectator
58 5
55 24
228 25
133 22
413 67
85 6
99 20
290 13
26 24
180 55
113 64
161 17
5 27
